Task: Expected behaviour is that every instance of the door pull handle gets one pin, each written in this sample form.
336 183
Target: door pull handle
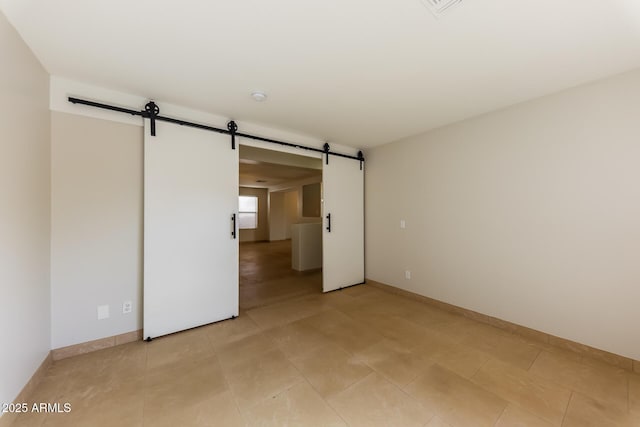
233 221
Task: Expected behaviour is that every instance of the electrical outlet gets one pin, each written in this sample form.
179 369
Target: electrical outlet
103 312
403 224
127 307
407 274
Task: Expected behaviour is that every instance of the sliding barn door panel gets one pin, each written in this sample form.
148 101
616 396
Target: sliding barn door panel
190 253
343 229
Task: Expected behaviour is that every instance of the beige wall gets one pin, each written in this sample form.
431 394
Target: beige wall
24 213
262 232
312 200
292 208
283 212
285 207
294 189
530 214
96 227
277 216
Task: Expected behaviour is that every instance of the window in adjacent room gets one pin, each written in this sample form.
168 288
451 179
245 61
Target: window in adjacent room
248 212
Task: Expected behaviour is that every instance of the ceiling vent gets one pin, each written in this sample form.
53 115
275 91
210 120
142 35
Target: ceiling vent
440 7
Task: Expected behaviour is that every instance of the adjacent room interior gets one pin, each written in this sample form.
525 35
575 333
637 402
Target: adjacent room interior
414 213
280 226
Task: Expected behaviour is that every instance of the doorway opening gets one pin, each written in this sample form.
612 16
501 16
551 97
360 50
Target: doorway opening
280 226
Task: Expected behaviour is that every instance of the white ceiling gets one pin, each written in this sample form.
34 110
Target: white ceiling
265 175
358 73
274 167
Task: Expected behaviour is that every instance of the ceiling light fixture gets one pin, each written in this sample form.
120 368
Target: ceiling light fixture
439 7
259 95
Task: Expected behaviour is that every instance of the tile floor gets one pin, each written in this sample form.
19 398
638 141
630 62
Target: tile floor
355 357
266 275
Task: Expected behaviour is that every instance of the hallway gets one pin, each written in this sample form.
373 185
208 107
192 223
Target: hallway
266 275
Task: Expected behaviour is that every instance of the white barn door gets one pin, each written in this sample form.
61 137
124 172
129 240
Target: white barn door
190 244
343 228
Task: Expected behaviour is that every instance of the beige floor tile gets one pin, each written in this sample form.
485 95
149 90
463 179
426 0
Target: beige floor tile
297 339
102 391
360 290
95 385
98 405
298 406
508 348
566 354
350 334
123 361
374 401
244 348
279 289
603 382
372 292
128 359
634 393
328 319
260 377
28 419
339 300
436 421
168 390
354 337
122 408
455 330
398 365
82 418
383 303
429 316
535 394
227 331
218 410
176 348
517 417
584 411
462 360
287 311
59 369
316 303
331 369
404 333
455 399
50 389
432 344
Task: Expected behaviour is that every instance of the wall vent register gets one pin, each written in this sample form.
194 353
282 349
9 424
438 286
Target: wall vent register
440 7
